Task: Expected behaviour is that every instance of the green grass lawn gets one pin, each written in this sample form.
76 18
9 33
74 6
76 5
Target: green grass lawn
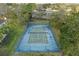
12 46
9 49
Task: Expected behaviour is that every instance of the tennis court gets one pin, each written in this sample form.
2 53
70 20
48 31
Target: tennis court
38 38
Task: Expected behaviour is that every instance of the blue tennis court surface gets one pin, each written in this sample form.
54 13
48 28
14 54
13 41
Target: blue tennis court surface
38 38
